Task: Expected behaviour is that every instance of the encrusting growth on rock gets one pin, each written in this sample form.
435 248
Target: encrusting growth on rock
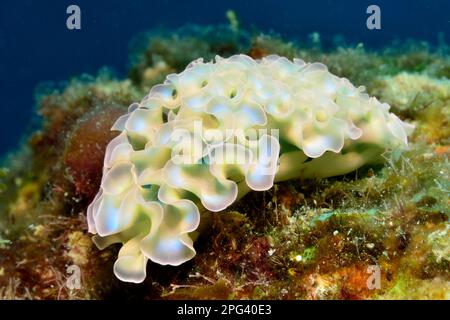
303 238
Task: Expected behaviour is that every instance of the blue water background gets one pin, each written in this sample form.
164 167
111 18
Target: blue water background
36 46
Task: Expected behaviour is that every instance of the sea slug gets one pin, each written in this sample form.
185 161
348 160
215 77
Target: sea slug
207 136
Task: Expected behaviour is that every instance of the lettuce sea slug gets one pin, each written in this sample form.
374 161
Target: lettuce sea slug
210 134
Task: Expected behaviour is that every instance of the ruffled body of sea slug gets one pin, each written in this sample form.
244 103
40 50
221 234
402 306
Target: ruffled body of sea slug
190 145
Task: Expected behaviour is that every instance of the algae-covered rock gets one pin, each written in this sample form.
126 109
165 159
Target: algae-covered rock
303 239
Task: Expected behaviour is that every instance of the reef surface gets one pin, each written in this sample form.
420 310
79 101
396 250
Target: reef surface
303 239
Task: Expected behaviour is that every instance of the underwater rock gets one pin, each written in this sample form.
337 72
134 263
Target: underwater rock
302 239
85 149
156 55
420 97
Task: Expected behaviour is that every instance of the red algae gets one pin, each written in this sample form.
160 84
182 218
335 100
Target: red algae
86 147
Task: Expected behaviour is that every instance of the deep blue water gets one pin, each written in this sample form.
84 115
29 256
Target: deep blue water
36 46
